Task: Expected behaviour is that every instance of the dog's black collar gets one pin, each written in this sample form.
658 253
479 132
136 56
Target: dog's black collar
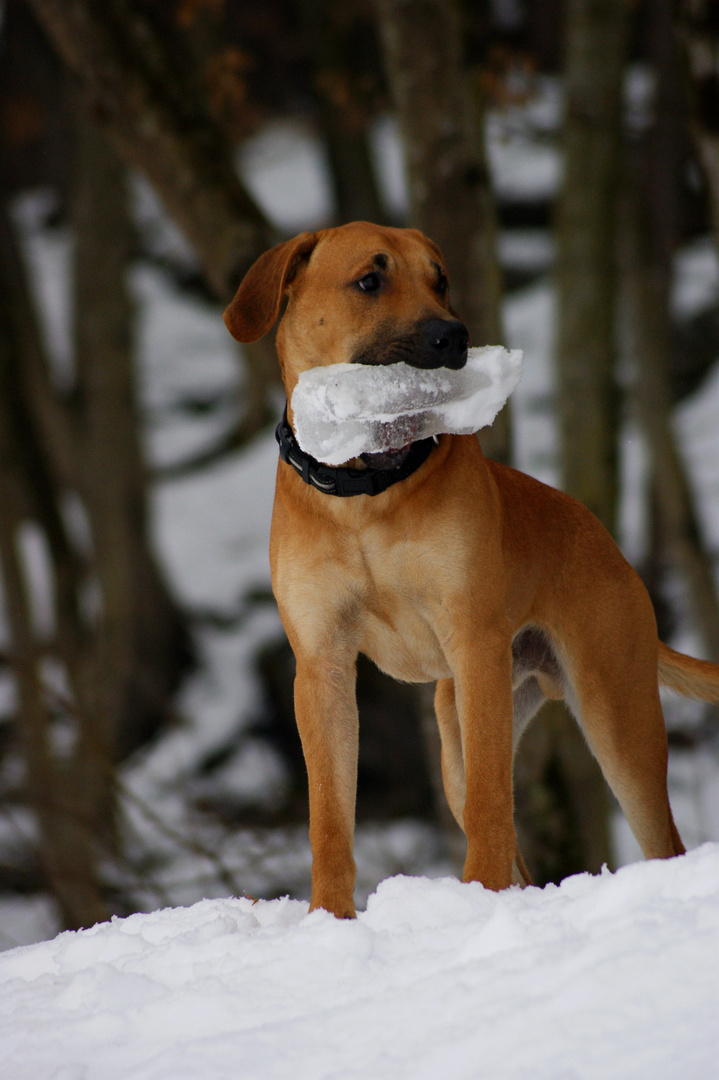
345 481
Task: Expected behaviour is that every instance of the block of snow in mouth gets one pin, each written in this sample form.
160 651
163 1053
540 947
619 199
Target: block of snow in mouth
344 410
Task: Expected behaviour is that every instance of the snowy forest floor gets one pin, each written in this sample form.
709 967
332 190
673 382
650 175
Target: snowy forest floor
610 976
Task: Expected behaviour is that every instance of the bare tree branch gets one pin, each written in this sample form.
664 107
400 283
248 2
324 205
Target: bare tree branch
161 128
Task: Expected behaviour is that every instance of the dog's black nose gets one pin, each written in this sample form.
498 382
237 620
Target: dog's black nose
445 343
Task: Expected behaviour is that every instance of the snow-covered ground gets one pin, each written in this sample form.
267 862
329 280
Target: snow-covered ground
611 976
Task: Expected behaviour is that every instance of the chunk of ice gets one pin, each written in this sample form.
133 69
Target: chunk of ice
344 410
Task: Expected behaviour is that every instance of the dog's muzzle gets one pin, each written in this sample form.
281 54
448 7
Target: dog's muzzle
431 343
444 343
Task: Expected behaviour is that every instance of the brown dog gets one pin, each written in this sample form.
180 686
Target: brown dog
462 571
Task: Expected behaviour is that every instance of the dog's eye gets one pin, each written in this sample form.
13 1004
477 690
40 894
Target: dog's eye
442 284
369 283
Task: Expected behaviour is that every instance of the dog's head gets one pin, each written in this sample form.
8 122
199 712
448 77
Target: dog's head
360 293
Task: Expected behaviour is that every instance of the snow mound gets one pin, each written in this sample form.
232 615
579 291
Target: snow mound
611 976
344 410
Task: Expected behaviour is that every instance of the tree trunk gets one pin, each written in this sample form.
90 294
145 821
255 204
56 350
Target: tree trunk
161 127
146 646
66 838
699 29
596 38
449 186
586 271
650 237
343 116
649 315
559 829
71 790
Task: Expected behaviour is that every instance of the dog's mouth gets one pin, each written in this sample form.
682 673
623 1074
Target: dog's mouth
386 459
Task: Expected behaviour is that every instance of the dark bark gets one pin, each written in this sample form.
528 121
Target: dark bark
451 199
561 808
159 124
698 28
647 298
586 271
160 127
70 792
650 236
344 115
145 642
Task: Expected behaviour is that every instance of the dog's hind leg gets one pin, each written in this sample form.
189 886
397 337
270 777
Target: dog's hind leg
624 725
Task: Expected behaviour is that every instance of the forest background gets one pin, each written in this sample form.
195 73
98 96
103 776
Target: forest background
565 156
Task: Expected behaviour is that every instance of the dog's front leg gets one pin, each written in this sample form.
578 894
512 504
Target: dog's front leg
326 711
484 702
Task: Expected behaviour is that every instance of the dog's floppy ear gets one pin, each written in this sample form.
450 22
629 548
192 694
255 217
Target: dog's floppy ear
256 304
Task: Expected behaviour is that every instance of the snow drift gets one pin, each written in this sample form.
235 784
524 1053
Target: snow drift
611 976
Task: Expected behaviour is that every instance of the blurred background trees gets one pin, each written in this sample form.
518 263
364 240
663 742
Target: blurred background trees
564 156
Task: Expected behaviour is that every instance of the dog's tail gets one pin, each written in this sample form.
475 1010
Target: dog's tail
684 675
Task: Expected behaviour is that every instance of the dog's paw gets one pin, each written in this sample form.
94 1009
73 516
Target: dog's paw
341 909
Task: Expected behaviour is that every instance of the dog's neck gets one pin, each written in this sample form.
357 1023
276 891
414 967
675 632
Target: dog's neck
364 478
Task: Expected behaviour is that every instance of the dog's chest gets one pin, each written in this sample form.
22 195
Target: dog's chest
401 595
